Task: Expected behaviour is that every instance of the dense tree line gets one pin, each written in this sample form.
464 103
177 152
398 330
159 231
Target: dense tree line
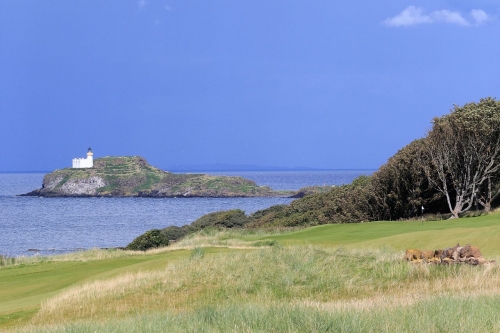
401 188
454 168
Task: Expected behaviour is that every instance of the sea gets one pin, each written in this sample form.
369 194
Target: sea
48 226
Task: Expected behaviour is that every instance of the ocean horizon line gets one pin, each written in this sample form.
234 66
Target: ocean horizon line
217 170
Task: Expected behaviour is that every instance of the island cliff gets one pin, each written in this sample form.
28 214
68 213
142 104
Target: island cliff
134 177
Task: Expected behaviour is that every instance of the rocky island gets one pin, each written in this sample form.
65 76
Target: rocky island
132 176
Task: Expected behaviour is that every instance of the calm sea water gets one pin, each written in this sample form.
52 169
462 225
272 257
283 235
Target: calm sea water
31 225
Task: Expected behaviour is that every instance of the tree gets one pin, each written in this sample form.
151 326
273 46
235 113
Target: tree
401 188
489 192
464 150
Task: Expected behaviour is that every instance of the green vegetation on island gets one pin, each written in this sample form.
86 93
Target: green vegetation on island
133 176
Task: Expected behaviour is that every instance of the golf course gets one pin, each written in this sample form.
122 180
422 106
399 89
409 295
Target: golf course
337 278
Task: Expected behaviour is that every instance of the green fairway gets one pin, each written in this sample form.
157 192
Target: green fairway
23 287
483 231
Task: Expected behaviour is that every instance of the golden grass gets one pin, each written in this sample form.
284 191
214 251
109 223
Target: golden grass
440 314
80 256
302 275
225 237
197 240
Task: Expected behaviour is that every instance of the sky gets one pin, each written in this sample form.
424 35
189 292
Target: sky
317 84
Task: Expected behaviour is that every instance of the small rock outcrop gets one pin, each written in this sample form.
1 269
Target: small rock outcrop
87 186
457 254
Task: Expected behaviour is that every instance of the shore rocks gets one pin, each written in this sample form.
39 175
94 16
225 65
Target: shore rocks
86 186
457 254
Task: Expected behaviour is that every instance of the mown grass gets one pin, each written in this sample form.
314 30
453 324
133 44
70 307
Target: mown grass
326 278
482 231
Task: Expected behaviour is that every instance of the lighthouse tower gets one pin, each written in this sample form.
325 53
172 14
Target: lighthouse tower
88 162
90 158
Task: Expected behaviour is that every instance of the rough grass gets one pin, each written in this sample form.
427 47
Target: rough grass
25 284
89 255
441 314
329 278
210 237
302 276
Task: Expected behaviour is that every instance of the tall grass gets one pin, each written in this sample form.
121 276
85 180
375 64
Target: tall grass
88 255
440 314
322 281
238 238
226 237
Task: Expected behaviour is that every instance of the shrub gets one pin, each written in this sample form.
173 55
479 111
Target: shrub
342 204
235 218
174 233
149 240
156 238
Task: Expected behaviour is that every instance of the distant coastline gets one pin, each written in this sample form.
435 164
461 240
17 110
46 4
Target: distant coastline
193 169
250 168
221 168
20 172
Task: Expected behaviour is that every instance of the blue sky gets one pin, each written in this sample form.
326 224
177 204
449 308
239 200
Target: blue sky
321 84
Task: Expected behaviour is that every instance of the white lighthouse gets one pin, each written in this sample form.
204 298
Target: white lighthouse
88 162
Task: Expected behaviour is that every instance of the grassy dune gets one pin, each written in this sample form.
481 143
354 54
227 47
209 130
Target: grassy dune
327 278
